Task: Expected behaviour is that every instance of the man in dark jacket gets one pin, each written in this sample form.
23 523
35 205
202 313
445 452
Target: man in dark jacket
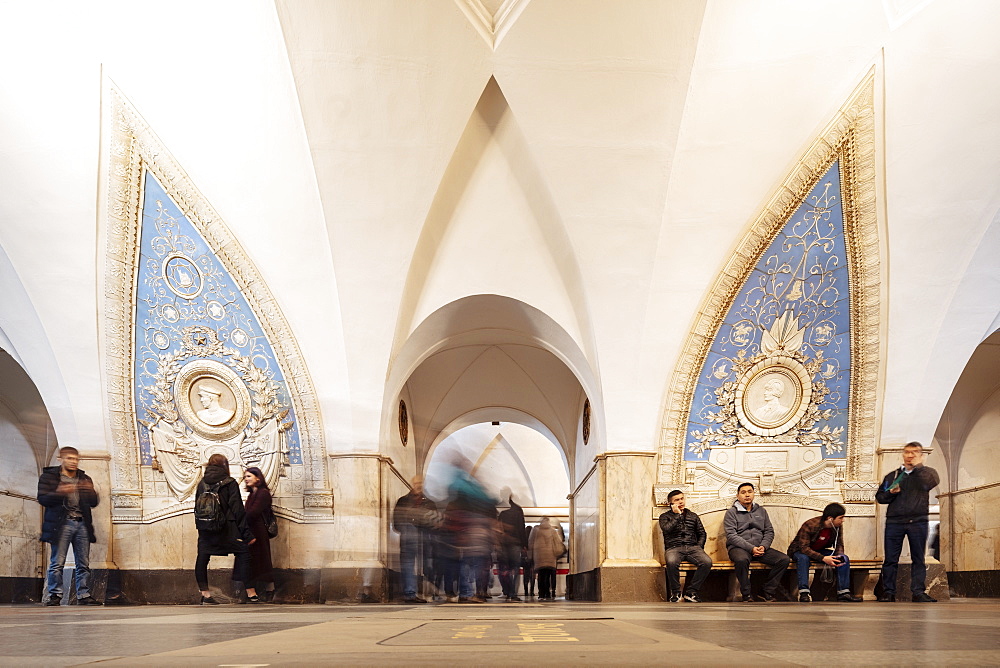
513 546
906 490
749 535
822 539
683 540
68 494
413 515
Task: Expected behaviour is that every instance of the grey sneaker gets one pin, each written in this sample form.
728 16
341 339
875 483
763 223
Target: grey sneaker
805 597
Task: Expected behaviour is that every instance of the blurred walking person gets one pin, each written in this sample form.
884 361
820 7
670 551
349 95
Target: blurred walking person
546 547
513 544
412 517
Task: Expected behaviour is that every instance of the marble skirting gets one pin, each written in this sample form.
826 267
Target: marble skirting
974 584
20 590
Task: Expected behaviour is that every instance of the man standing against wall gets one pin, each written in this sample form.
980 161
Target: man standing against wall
684 539
906 490
68 494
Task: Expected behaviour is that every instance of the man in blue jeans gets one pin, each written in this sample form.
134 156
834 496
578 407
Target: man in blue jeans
68 494
906 491
822 539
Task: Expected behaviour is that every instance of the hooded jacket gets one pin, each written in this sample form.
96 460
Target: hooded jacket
911 503
54 503
746 529
236 536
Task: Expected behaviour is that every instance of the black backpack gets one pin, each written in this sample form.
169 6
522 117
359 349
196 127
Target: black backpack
209 513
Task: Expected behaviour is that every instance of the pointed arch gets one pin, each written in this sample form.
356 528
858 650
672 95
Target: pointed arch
848 141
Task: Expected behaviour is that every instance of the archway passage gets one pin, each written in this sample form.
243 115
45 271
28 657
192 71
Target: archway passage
501 383
27 443
522 469
489 358
968 436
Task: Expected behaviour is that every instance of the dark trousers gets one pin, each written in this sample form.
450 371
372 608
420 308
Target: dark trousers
241 569
509 565
693 554
529 578
778 561
916 532
546 582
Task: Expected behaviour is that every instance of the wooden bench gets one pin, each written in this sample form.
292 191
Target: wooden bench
864 575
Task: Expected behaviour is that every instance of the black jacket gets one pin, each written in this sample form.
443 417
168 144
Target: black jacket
682 530
911 503
236 536
55 510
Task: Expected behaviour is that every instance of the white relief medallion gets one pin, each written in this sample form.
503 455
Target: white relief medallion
239 338
160 340
182 276
215 310
169 313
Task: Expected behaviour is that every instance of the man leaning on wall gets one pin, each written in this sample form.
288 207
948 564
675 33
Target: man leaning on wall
68 494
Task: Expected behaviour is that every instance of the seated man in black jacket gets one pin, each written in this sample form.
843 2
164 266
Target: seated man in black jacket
683 540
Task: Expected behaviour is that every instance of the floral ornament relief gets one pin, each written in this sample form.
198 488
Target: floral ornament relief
742 424
253 435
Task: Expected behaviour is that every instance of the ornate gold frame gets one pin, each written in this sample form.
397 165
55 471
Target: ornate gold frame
130 147
850 137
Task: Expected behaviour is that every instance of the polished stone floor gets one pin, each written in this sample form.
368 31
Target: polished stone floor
956 633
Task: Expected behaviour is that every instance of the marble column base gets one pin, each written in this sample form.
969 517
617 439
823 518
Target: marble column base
360 583
937 582
974 584
21 590
617 584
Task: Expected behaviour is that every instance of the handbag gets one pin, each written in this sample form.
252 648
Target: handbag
272 525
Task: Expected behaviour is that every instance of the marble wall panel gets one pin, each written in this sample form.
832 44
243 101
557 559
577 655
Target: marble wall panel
7 558
963 507
980 550
357 518
586 526
27 556
987 502
127 550
628 483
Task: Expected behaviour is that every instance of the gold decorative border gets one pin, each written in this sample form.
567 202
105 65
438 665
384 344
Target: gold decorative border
850 137
130 148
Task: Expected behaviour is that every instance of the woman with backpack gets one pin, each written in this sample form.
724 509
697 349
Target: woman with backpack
222 526
258 509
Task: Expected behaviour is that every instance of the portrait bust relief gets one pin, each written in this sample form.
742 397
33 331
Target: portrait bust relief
772 395
770 409
213 397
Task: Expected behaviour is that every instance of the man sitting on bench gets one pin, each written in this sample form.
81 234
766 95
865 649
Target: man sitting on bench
684 539
822 539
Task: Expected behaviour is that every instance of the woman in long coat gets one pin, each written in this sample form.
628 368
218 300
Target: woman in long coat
545 547
258 508
234 538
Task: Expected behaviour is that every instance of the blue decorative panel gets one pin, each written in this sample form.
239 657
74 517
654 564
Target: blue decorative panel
779 368
206 376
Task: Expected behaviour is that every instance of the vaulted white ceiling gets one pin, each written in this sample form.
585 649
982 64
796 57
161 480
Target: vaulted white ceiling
379 160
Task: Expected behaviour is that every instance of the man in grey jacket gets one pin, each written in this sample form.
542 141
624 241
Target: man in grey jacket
749 535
